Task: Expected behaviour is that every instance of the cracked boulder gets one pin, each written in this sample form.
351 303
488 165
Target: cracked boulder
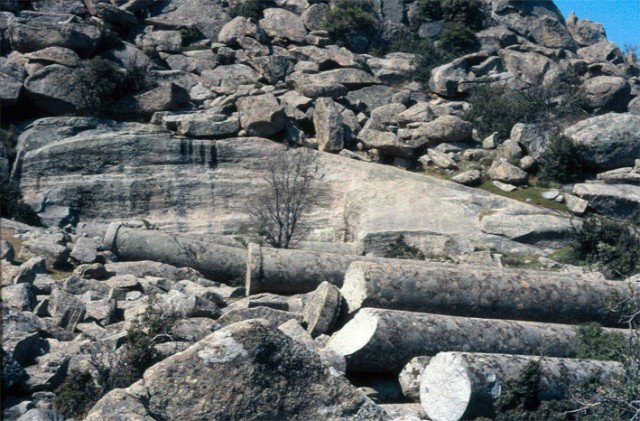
260 374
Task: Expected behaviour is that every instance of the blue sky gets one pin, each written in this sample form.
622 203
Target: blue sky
621 18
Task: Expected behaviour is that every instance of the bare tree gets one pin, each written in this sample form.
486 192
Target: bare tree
277 209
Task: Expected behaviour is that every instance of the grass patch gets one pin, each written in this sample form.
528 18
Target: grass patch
521 261
531 195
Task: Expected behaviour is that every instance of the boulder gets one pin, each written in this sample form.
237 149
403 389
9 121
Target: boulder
29 270
600 52
534 138
116 16
20 297
12 75
48 371
551 32
261 115
36 32
584 31
328 125
54 89
503 171
166 97
531 68
615 200
208 126
283 24
445 79
206 16
67 310
394 68
55 255
144 268
41 414
510 151
20 335
264 363
237 28
274 317
313 17
85 250
446 128
12 371
468 178
608 141
388 143
418 113
442 160
607 93
350 78
7 253
543 229
231 76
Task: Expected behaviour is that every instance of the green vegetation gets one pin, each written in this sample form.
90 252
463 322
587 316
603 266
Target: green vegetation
463 12
597 344
401 250
104 83
76 395
117 369
532 195
560 162
612 246
494 108
351 23
249 8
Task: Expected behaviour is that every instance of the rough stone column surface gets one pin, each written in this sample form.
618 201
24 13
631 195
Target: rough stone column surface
480 292
216 262
383 341
460 385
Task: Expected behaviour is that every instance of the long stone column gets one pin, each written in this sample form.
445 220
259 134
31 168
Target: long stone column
481 292
460 385
216 262
378 340
286 271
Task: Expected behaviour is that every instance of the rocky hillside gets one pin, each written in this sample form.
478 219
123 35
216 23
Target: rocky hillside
162 147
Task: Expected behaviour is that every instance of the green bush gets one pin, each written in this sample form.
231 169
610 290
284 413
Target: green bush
560 162
430 10
249 8
76 395
612 246
457 39
117 369
349 19
104 83
497 109
597 344
463 12
401 250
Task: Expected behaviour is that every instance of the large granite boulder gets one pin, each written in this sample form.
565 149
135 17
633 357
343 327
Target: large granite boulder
33 32
261 115
55 90
607 93
206 16
238 28
328 124
232 75
608 141
12 75
258 373
446 128
283 24
615 200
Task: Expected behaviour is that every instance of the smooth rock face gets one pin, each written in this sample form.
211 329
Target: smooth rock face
245 356
609 141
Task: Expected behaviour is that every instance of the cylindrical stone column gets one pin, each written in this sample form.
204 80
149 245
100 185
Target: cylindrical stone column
378 340
216 262
459 385
285 271
481 292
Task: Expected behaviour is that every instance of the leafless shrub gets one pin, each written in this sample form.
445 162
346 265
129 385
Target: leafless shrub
277 209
